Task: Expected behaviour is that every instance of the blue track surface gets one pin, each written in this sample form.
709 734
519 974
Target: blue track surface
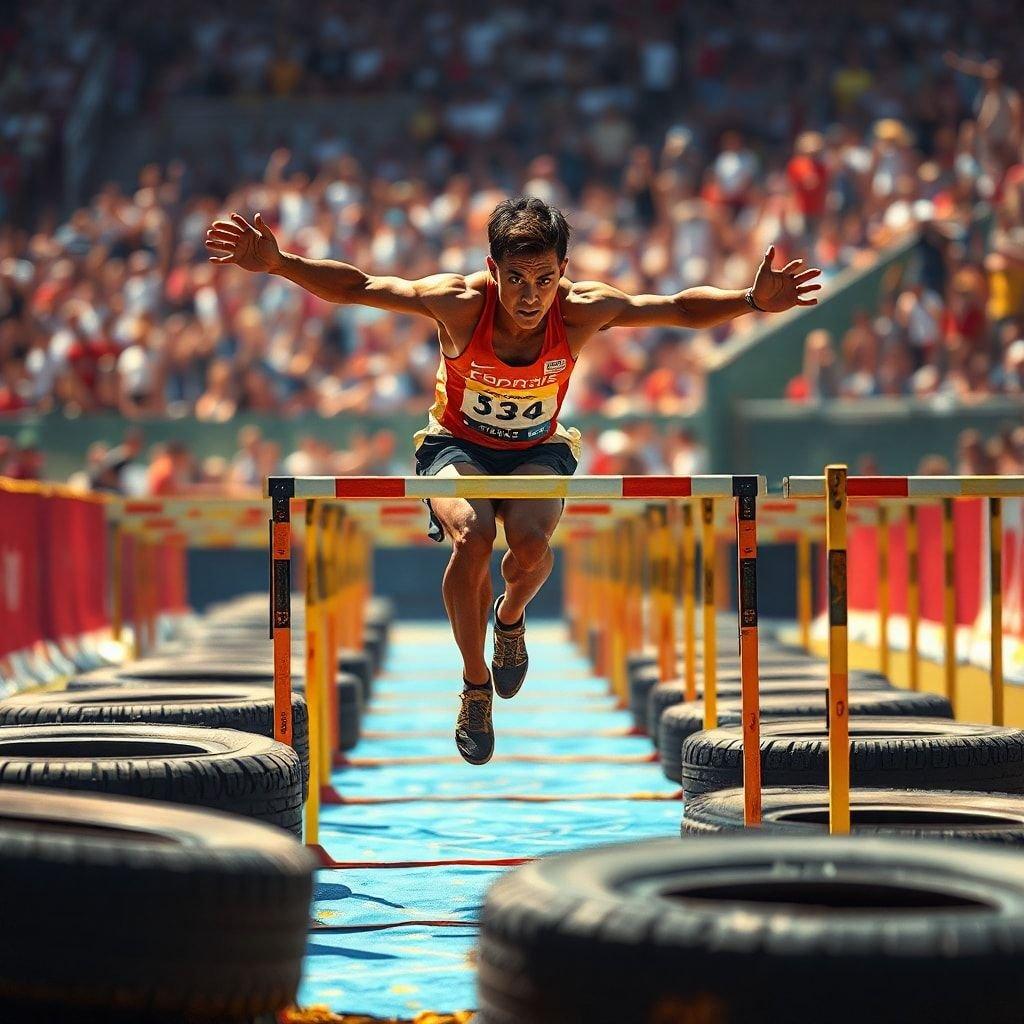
393 942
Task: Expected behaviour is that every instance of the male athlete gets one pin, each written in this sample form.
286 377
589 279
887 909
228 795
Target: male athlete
510 336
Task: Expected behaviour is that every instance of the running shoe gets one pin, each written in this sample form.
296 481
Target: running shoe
474 731
510 661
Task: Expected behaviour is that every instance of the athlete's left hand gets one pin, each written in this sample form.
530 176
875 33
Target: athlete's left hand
779 290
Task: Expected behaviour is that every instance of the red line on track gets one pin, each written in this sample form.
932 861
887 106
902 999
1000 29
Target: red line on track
327 861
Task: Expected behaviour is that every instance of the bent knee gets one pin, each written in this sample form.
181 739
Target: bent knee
529 546
473 537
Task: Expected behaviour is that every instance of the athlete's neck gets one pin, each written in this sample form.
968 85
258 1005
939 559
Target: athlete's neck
515 332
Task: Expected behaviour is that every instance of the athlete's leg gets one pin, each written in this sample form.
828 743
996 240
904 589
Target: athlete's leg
467 580
529 524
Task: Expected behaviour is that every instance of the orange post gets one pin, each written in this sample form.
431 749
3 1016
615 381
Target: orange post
281 491
745 489
838 654
314 675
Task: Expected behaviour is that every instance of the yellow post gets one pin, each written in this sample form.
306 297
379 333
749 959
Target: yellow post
995 534
838 653
314 677
330 657
617 607
913 599
689 609
138 611
949 602
803 588
663 605
707 556
117 582
882 532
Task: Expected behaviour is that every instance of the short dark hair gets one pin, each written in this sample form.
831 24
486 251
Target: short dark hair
526 226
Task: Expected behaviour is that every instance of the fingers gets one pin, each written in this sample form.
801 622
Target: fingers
805 274
221 247
225 225
242 222
806 302
768 256
808 288
791 265
223 236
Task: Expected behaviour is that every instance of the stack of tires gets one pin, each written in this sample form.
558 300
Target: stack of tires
209 909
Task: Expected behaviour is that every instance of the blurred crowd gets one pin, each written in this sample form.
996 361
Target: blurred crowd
681 139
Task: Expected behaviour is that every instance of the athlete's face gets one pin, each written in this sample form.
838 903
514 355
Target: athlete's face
527 285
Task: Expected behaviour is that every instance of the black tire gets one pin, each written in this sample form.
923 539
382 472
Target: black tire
350 711
358 664
996 818
373 644
665 695
248 708
146 913
669 931
683 720
885 753
223 769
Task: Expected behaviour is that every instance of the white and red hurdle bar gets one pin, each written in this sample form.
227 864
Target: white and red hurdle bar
744 489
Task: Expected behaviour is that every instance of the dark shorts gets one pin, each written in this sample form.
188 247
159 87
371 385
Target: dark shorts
440 450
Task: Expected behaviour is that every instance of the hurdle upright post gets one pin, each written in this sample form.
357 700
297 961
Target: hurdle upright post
913 600
803 587
745 491
949 602
117 580
995 583
838 654
314 670
707 557
689 609
282 489
882 533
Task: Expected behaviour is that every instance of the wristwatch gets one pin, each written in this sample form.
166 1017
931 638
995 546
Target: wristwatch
748 295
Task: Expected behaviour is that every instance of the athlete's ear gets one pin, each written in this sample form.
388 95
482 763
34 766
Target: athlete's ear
562 266
492 267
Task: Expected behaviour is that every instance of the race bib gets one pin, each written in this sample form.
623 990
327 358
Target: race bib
509 414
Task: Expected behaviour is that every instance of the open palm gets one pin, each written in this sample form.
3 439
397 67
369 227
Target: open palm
249 246
778 290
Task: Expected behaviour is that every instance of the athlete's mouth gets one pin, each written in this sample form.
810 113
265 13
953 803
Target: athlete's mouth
528 312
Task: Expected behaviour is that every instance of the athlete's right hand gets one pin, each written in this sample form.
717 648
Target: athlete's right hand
249 246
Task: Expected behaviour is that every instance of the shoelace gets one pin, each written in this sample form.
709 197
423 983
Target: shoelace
473 715
510 646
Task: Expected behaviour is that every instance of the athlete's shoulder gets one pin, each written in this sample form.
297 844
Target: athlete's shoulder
453 296
589 302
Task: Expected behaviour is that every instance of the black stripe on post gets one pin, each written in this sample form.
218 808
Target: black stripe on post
282 490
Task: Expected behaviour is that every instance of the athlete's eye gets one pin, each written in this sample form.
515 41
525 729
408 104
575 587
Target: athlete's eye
515 280
545 280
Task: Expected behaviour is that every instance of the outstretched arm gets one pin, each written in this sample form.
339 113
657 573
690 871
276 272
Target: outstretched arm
773 291
253 247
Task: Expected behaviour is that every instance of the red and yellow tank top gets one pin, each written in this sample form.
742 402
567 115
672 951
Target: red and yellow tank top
479 398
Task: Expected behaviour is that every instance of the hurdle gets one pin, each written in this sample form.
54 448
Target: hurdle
835 487
349 493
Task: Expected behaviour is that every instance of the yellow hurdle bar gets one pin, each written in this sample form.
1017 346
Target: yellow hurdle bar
838 654
882 533
689 604
913 600
707 558
995 534
949 602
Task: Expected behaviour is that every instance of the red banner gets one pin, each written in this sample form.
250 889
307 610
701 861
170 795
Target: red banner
53 567
21 583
